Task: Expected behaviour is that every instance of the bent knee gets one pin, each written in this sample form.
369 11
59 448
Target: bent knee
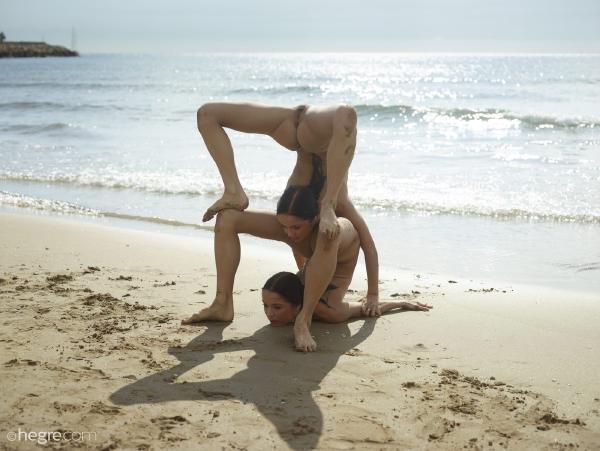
206 115
227 221
345 120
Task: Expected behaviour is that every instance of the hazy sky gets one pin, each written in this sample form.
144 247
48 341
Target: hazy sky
308 25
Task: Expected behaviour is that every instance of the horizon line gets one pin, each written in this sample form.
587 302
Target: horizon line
334 52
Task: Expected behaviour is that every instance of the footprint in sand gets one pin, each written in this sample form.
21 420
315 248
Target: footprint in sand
302 426
64 407
59 278
91 269
167 425
103 409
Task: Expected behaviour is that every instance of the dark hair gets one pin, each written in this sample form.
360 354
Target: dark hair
290 287
287 285
317 179
303 201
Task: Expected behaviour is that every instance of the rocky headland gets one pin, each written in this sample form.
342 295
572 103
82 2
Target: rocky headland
33 49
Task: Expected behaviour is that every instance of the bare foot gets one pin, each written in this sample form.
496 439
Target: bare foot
238 201
302 338
215 312
328 223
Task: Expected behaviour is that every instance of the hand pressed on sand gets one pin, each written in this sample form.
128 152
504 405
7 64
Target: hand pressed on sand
370 305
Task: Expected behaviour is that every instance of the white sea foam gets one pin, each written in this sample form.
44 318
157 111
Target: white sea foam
48 205
60 207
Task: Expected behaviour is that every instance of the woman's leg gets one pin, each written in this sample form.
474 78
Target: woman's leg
230 223
248 118
343 311
318 274
336 310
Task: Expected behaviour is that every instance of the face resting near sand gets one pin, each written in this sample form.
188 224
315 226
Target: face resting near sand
279 311
297 229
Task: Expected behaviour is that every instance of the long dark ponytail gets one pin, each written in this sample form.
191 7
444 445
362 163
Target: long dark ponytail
303 201
317 179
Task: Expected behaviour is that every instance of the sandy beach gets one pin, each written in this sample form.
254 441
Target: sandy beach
91 341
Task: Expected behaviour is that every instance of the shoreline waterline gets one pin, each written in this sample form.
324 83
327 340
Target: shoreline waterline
390 272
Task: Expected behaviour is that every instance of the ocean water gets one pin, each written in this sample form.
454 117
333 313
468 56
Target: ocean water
478 166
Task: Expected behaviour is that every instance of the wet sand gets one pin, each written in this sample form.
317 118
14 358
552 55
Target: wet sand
91 341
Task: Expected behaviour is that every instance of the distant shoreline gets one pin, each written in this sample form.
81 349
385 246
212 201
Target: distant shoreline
33 49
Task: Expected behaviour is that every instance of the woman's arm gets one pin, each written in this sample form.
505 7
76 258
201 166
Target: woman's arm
347 310
406 306
347 210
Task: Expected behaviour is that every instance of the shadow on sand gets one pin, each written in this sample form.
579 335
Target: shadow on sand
278 381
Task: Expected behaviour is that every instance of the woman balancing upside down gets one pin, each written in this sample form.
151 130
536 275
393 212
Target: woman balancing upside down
328 133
